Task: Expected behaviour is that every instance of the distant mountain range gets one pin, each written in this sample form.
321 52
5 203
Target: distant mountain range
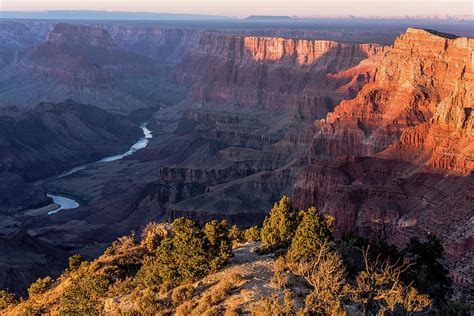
438 17
119 15
104 15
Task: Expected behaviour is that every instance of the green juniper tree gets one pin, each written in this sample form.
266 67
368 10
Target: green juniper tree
280 225
220 245
314 230
190 253
252 234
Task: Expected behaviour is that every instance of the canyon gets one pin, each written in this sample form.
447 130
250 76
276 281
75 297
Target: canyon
380 137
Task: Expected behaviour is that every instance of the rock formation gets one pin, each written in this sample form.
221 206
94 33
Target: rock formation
75 61
401 153
274 74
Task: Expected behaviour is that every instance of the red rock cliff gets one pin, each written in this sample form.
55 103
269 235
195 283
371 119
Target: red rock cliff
418 108
401 152
279 74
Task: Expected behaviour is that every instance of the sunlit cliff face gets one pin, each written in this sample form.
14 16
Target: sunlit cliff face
420 103
302 52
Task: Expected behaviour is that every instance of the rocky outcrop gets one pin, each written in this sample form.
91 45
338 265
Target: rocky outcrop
400 154
276 74
418 108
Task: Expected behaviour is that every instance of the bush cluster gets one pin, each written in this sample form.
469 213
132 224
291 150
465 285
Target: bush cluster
40 286
381 278
84 295
191 253
252 234
157 271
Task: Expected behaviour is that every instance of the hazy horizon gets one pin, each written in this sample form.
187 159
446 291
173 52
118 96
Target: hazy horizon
243 8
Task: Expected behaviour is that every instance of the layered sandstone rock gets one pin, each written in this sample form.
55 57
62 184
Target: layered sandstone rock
75 61
276 74
401 152
165 45
418 108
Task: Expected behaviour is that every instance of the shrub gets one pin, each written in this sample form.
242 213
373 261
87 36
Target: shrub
112 250
84 295
220 245
429 276
160 268
352 256
288 305
315 229
152 235
189 254
148 302
232 311
379 288
208 304
75 262
126 242
325 272
273 305
236 278
280 225
122 286
40 286
221 291
235 234
6 299
280 279
182 294
184 309
213 311
252 234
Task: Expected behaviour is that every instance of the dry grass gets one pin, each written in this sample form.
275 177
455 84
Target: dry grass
182 294
231 291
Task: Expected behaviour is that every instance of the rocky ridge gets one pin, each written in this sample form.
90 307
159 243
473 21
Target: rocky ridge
401 152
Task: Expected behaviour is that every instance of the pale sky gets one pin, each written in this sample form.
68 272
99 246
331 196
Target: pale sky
242 8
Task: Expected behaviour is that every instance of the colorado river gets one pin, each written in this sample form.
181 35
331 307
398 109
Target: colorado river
68 203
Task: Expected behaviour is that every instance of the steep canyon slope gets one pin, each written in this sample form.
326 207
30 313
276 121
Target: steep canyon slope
401 153
84 63
395 158
296 76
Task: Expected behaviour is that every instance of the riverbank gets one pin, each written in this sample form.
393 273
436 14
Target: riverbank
67 203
